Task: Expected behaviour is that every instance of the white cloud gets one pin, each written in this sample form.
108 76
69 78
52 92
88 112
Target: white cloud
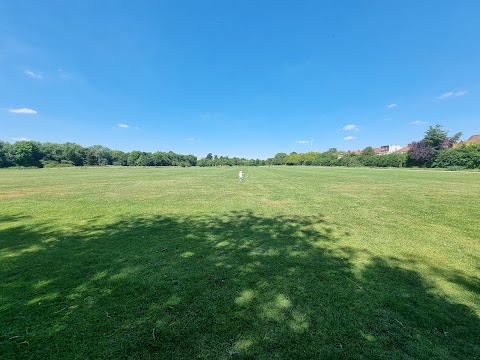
303 142
418 122
210 116
34 75
350 127
20 139
22 111
123 125
451 93
349 138
62 74
391 106
446 95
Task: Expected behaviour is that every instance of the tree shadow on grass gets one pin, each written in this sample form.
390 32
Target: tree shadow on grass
233 286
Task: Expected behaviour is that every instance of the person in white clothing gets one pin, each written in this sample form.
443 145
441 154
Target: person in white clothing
240 175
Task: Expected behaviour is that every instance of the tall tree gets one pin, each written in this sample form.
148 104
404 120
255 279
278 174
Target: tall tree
368 151
438 139
74 153
26 153
435 140
4 148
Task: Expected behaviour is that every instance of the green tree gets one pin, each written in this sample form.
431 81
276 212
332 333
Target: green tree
438 139
90 158
368 151
26 153
4 152
52 152
119 158
279 159
74 154
465 155
102 154
133 157
425 151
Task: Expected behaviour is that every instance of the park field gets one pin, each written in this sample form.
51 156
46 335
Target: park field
190 263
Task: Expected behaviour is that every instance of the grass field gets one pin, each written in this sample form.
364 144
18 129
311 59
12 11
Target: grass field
293 263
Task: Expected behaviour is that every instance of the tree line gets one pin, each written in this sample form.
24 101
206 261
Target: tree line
32 153
436 149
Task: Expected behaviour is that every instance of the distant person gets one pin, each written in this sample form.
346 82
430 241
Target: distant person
240 175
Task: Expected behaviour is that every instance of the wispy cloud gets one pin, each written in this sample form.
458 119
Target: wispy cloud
22 111
452 93
209 115
350 127
62 74
391 106
304 142
123 126
349 138
190 139
20 139
33 74
418 122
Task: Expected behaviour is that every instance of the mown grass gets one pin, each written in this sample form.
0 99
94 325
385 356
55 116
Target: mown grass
292 263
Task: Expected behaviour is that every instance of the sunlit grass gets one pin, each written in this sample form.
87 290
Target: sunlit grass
190 263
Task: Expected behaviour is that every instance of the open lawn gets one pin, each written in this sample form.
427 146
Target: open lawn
292 263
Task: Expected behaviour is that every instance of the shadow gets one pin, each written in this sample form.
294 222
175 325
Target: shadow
238 285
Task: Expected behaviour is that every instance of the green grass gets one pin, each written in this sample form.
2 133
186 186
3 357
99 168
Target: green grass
293 263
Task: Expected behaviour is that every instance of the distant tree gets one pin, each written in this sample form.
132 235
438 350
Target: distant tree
119 158
279 159
438 139
4 154
102 154
143 160
293 159
421 154
348 159
52 152
332 150
435 140
368 151
26 153
89 157
465 155
74 154
133 157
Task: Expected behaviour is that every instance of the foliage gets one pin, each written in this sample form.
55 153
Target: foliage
438 139
465 155
435 149
279 159
421 154
4 152
26 153
368 151
425 151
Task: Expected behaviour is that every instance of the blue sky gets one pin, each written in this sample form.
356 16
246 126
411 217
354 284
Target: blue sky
238 78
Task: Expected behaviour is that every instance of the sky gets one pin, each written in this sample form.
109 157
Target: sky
238 78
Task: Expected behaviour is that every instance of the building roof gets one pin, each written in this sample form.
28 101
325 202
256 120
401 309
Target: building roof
473 139
379 150
403 149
